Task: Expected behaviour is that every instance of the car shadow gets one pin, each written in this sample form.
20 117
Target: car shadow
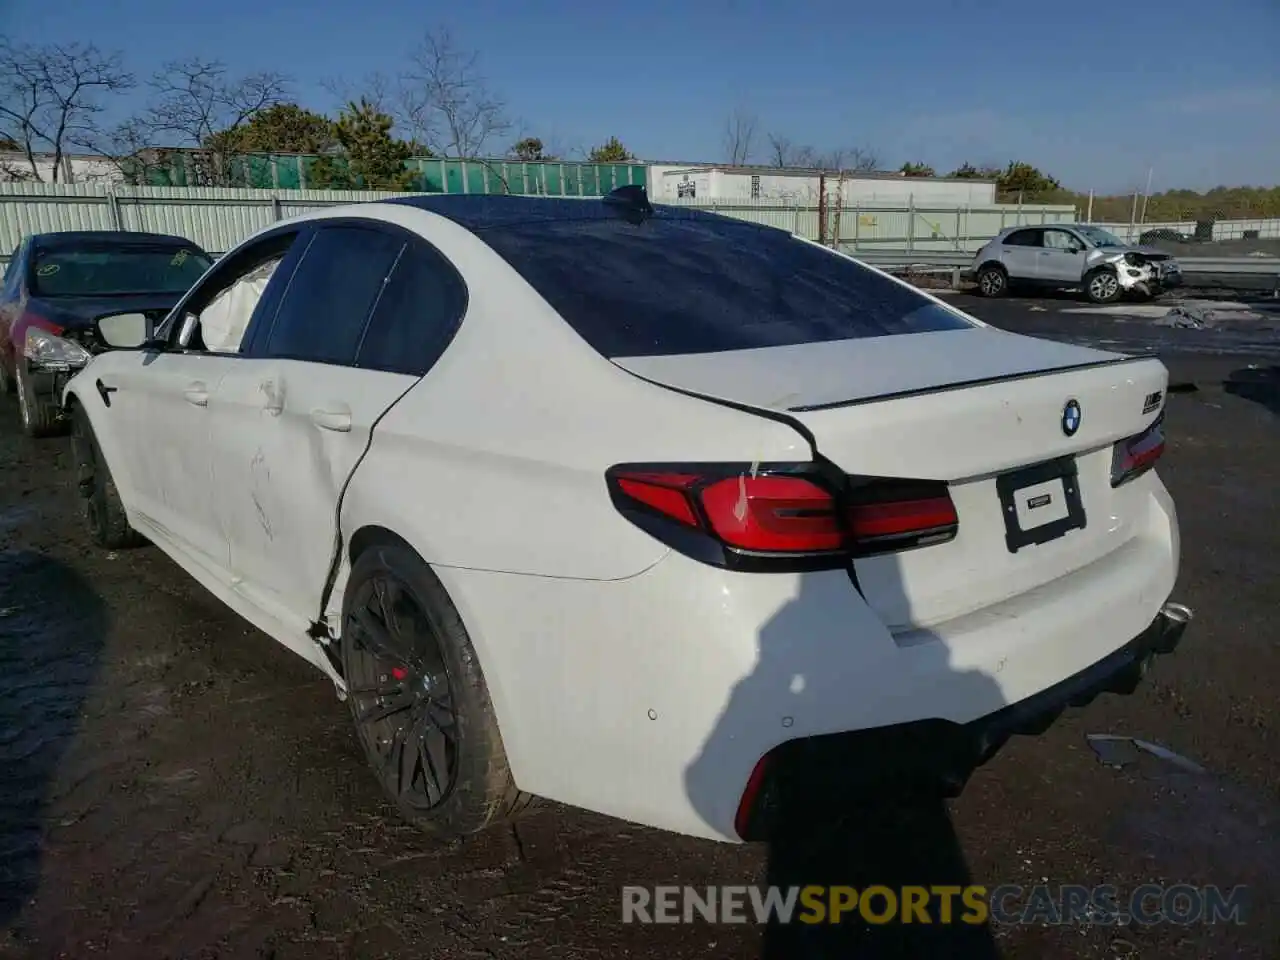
835 822
1259 384
53 626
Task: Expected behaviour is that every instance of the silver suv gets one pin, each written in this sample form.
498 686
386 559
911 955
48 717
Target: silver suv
1073 255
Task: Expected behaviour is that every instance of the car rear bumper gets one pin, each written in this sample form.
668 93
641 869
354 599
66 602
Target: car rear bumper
653 698
825 776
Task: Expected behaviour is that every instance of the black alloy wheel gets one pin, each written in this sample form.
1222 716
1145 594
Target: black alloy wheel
401 694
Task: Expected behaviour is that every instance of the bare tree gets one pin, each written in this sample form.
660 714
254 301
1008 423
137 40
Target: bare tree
863 160
739 137
831 160
197 103
784 153
197 99
446 100
50 100
779 150
376 88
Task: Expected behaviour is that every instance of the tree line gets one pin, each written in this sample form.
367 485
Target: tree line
56 99
1016 181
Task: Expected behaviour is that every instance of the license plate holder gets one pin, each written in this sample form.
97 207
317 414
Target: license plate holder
1011 485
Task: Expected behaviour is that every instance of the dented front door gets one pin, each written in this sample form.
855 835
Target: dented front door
288 434
152 408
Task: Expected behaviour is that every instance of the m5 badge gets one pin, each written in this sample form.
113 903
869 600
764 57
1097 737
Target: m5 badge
1152 402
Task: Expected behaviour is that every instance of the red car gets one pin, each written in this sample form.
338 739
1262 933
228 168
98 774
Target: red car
57 285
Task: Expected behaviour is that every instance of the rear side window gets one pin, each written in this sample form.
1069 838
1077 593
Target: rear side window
327 303
677 285
1023 238
417 314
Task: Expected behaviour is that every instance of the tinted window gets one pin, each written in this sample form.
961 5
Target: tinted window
328 300
697 284
1023 238
104 271
417 314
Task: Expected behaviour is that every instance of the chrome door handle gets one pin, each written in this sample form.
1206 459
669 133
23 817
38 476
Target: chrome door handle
336 418
197 394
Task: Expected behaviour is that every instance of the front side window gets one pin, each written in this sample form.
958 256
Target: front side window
216 314
1061 240
113 270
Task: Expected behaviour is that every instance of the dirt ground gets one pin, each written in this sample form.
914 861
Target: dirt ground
175 785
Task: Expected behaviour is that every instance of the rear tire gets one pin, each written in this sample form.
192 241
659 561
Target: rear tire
104 514
1102 286
7 386
993 281
418 698
40 417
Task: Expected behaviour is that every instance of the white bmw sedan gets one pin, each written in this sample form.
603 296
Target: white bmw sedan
662 514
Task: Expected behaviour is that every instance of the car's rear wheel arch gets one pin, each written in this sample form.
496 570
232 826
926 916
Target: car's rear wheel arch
993 278
372 535
490 790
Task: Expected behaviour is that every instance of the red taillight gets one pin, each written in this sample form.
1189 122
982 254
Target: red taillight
740 515
750 797
1136 455
877 521
773 514
664 492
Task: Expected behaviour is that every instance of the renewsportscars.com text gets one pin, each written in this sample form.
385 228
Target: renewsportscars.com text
1007 904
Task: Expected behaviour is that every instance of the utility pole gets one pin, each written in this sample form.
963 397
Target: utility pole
822 208
1146 196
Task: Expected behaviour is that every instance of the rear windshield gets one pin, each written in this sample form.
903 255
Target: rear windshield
111 271
676 285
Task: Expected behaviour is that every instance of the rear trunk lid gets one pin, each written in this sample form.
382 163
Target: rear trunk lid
969 407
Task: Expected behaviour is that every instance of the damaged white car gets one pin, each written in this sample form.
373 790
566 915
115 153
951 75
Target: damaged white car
655 512
1073 255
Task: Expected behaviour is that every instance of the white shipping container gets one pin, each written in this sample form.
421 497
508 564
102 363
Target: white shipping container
673 183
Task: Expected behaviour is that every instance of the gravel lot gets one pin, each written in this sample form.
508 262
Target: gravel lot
176 785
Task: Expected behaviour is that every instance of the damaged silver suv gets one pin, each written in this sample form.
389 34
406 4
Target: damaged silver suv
1073 255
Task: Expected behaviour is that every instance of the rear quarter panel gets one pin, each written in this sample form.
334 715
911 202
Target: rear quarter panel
495 460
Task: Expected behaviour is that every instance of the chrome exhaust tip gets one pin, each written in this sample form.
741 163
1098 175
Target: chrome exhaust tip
1173 621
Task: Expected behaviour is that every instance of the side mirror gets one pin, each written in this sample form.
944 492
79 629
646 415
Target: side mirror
124 331
188 329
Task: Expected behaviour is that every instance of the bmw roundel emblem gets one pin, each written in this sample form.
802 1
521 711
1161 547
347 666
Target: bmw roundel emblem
1071 417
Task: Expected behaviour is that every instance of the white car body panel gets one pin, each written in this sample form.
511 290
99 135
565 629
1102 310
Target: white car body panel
158 432
670 685
279 472
626 677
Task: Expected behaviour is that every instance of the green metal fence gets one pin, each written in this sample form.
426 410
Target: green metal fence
550 178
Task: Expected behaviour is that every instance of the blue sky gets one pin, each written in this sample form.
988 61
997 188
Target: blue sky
1095 93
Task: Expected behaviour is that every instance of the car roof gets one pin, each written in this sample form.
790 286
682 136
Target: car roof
1040 226
478 212
123 238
